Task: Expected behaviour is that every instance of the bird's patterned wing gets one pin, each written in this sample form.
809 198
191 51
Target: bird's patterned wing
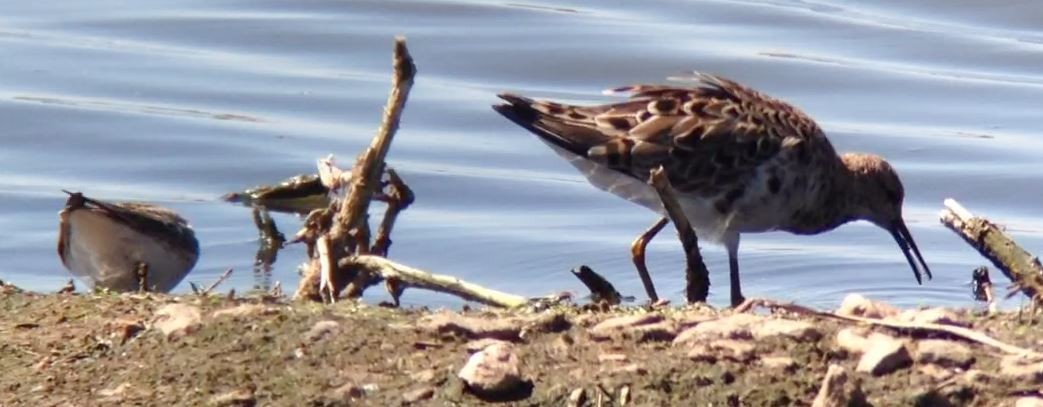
709 137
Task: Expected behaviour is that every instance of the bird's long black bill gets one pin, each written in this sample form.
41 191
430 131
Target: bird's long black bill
908 246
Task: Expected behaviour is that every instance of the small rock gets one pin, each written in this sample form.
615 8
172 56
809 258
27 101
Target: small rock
632 368
853 340
779 362
578 398
936 372
855 305
935 315
884 355
495 369
611 326
657 332
612 357
347 392
838 391
114 392
799 330
1022 369
479 344
722 349
1030 401
944 353
424 376
242 310
731 327
243 396
546 322
419 394
447 323
321 330
125 329
176 320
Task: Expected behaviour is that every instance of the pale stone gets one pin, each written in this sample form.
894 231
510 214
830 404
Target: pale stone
853 340
242 310
736 326
618 324
883 355
469 327
935 315
321 330
1029 402
779 362
722 349
855 305
419 394
176 320
799 330
1023 369
836 391
944 353
495 369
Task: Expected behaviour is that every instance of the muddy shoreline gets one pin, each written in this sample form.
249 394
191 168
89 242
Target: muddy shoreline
109 349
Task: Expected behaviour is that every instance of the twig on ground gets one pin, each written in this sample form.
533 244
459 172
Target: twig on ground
957 331
601 290
412 277
1015 262
220 279
697 279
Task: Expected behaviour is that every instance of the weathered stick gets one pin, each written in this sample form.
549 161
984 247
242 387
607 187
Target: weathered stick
697 278
349 233
220 279
957 331
1017 264
411 277
601 290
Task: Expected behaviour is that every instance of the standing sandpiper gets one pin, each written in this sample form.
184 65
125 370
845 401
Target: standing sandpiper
125 246
740 162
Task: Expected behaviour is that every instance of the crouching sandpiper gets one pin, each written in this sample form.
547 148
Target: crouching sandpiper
125 246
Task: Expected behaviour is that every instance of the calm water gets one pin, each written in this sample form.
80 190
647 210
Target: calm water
178 102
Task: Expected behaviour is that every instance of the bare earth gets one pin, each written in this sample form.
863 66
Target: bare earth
108 349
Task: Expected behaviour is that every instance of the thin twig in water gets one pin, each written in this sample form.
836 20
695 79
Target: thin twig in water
697 279
220 279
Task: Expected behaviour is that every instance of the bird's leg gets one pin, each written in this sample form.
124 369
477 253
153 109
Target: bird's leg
637 254
732 243
141 272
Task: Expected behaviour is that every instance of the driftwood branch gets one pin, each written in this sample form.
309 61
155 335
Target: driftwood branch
697 279
1016 263
411 277
349 233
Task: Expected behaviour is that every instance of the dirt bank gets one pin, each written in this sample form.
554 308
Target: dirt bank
71 349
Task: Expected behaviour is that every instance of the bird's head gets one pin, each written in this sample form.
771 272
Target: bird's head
876 196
